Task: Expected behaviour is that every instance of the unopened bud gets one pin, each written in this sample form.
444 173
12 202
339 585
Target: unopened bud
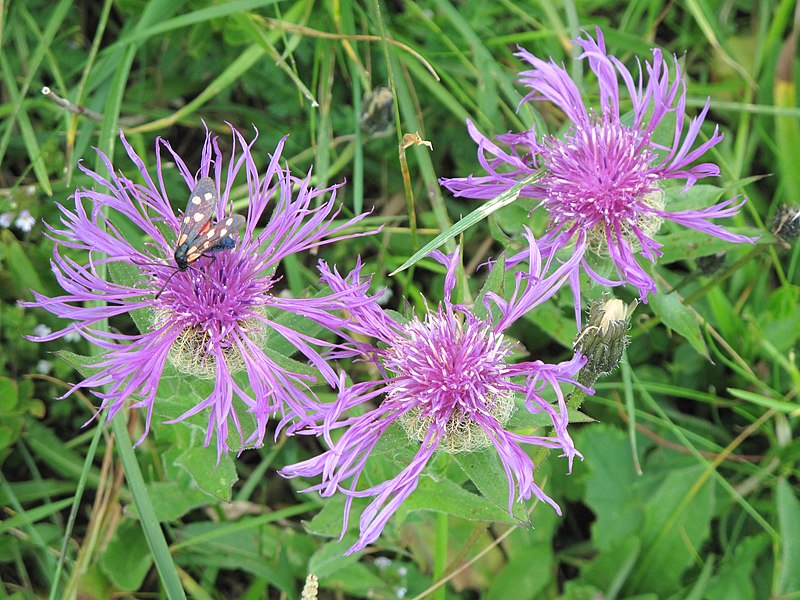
786 224
604 338
708 265
377 111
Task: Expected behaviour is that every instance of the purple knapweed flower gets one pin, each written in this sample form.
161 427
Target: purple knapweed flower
603 183
213 320
448 380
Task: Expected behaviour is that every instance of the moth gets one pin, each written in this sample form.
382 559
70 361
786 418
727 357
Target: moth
198 236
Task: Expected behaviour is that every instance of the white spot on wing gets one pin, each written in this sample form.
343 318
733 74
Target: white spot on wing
222 232
209 195
198 217
196 200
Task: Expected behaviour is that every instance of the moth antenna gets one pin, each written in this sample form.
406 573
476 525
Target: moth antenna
163 287
175 272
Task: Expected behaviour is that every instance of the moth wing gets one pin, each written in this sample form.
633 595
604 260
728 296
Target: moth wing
220 235
199 209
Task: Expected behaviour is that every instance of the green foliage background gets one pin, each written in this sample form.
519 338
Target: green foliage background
689 484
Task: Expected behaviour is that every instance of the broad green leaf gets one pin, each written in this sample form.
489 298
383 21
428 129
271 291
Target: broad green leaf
354 579
680 319
485 470
524 576
328 521
215 479
522 419
127 559
610 485
171 499
677 521
550 318
330 558
24 275
690 244
82 364
735 577
697 197
612 567
8 395
258 551
447 497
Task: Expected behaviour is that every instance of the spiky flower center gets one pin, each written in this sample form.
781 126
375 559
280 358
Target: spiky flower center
600 176
212 307
451 374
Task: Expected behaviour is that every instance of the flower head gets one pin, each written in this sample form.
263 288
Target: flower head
212 319
603 183
448 380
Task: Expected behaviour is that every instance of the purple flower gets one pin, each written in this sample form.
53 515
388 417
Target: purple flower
212 320
603 184
448 380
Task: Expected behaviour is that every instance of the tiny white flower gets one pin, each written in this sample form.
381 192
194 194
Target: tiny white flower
25 221
42 330
44 367
6 219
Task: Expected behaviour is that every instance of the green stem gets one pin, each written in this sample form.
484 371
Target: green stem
440 555
147 514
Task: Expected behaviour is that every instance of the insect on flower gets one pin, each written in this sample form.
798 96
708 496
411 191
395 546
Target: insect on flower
197 235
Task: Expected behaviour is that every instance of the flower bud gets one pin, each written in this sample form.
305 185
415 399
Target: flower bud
377 111
604 338
786 224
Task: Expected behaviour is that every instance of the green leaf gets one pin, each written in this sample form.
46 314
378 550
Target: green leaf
212 478
33 515
471 219
495 283
328 521
355 580
445 496
522 578
82 364
24 275
522 419
697 197
61 458
485 470
608 488
680 319
735 577
789 521
260 551
330 558
612 567
8 395
677 520
127 559
690 244
172 499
